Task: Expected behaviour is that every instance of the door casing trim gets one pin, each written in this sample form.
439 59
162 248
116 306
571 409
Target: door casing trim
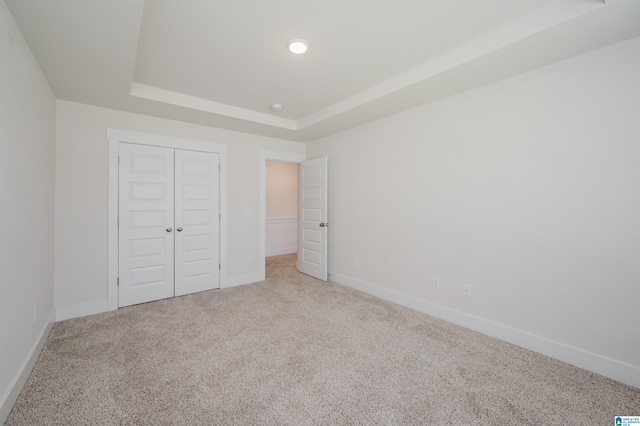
115 137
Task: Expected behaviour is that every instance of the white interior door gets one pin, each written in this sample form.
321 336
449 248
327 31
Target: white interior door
146 218
312 218
197 213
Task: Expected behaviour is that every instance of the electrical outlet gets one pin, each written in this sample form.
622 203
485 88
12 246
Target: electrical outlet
35 313
356 263
466 290
249 259
436 282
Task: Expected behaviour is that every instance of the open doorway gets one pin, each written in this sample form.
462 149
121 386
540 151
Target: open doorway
268 156
281 218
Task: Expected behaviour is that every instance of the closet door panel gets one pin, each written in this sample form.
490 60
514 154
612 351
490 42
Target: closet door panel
197 221
146 217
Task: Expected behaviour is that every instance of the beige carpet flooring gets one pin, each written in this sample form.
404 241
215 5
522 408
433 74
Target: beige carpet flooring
292 350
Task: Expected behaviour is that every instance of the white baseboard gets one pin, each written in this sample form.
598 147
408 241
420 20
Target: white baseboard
100 306
608 367
242 280
82 310
279 252
11 395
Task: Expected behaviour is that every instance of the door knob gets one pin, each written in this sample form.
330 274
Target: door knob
169 229
179 229
322 225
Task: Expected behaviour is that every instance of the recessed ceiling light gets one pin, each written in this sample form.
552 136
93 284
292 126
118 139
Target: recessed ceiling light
298 46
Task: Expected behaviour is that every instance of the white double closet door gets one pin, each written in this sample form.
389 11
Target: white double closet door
169 223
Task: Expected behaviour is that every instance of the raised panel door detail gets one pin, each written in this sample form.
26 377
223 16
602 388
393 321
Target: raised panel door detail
169 227
311 194
146 209
311 215
148 275
312 212
197 168
148 164
198 217
147 247
312 235
197 192
147 219
197 242
312 173
147 191
197 268
197 210
312 256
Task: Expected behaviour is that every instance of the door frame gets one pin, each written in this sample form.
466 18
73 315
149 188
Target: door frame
115 137
284 157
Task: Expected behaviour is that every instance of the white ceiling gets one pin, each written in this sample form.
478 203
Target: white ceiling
223 63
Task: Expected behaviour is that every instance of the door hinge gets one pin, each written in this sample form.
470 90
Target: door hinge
118 282
118 220
219 266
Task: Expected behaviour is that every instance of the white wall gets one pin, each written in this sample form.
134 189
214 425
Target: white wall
81 194
27 162
527 189
282 189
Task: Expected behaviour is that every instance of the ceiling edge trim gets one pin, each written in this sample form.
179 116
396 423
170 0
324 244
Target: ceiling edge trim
513 32
179 99
543 19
